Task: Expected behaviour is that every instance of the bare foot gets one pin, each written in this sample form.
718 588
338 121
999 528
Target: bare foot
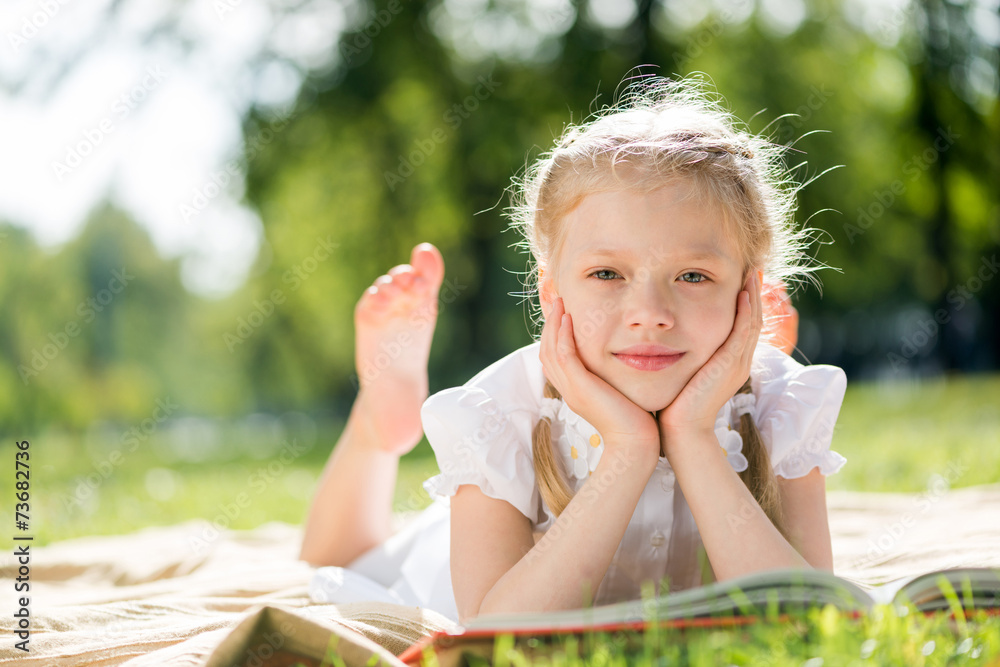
394 324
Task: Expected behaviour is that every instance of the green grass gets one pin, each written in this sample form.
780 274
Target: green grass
818 636
82 487
897 437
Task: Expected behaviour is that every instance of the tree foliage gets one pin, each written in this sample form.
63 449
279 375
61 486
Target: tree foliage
413 132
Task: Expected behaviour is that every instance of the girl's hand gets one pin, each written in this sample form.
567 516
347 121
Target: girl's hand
698 404
619 421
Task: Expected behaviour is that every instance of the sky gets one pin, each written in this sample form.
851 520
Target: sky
146 125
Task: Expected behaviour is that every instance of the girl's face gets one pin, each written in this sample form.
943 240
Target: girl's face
651 283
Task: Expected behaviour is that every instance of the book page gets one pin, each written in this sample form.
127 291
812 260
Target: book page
750 594
923 590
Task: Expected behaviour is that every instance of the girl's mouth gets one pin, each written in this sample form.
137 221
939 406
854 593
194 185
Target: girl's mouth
649 362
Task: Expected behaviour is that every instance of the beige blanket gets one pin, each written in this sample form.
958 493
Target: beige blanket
163 597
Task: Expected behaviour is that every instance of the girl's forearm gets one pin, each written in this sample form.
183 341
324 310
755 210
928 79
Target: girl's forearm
349 514
738 537
564 569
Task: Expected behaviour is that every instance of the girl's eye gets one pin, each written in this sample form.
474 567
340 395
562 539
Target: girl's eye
605 274
693 277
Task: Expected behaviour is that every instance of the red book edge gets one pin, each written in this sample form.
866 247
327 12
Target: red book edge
446 640
443 639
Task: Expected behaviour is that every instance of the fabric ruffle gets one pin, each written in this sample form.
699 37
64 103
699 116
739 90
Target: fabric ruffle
799 464
800 421
732 442
580 445
475 442
729 437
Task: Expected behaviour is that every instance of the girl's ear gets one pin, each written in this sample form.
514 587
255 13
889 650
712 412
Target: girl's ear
547 293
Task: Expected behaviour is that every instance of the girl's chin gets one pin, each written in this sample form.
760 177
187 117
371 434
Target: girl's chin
654 407
651 401
651 396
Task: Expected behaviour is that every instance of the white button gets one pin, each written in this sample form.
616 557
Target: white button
667 482
657 539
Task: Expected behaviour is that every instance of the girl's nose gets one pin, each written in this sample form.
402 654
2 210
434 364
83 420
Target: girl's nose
648 305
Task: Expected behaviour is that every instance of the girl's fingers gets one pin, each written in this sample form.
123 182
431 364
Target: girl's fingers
752 311
550 332
569 361
567 346
737 351
757 317
549 352
746 333
563 343
559 356
742 325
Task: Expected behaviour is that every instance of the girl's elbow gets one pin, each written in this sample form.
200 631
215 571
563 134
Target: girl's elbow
306 552
823 565
490 603
493 602
469 603
466 613
312 556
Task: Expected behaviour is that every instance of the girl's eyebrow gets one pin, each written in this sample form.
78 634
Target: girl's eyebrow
613 253
697 254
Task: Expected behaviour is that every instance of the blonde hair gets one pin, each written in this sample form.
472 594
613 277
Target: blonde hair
660 131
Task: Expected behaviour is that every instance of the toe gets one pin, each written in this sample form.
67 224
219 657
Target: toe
370 303
388 288
403 275
380 292
429 263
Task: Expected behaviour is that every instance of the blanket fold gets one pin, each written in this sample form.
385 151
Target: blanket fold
173 595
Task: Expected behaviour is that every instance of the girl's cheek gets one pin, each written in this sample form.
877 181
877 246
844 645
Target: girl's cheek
719 321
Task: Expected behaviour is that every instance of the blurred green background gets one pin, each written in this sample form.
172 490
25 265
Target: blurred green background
162 403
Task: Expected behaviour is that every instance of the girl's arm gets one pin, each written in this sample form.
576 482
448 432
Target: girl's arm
496 567
738 536
803 507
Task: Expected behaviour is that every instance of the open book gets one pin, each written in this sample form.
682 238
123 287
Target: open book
742 599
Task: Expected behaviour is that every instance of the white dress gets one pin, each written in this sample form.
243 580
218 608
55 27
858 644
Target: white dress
481 434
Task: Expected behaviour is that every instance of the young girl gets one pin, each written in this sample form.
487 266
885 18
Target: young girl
649 435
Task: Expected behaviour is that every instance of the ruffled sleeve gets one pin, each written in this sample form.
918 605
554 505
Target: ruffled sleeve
476 442
797 413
